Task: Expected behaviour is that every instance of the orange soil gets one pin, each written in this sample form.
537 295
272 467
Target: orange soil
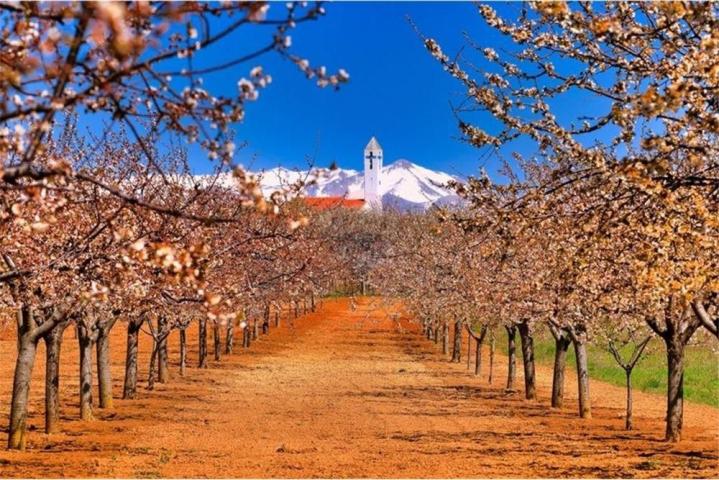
343 393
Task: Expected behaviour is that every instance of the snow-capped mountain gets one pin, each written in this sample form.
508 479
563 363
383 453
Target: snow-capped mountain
404 185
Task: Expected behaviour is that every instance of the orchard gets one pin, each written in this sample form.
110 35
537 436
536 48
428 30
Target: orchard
605 237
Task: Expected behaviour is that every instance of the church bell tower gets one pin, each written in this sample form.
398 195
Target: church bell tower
372 172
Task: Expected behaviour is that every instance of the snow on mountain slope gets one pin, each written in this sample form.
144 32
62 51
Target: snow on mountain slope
403 179
404 185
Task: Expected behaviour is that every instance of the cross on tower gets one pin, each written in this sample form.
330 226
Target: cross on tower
371 157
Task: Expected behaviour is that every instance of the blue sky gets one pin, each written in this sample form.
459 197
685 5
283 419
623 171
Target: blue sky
397 92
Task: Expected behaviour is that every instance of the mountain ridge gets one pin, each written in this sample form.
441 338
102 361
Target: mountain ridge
404 185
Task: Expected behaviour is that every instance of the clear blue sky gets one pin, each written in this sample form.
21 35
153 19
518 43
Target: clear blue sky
397 91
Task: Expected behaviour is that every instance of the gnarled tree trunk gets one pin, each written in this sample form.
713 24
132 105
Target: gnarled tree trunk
675 387
445 338
202 325
130 386
246 337
27 348
491 356
53 346
561 346
478 350
511 356
152 370
580 351
183 351
217 341
85 342
530 389
104 374
469 350
163 370
678 329
230 337
457 347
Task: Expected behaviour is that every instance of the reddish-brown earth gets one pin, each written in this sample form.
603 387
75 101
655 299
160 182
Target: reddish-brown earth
343 393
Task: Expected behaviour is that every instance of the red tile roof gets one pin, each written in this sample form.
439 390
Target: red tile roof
325 203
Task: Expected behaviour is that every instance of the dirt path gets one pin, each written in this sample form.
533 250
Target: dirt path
352 394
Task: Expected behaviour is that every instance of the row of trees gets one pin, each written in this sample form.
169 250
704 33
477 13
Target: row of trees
609 228
102 223
103 263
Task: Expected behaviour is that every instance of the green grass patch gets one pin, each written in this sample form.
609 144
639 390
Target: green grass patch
701 368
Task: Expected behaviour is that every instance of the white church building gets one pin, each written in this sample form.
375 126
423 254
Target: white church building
372 180
373 174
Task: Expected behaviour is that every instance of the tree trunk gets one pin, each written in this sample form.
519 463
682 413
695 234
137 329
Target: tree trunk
628 424
675 387
217 340
511 356
183 351
491 356
530 390
255 330
163 370
580 350
561 346
203 343
265 327
152 370
436 334
457 347
53 347
469 351
628 367
130 387
297 313
85 343
478 356
445 338
277 319
230 337
312 302
104 376
27 348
